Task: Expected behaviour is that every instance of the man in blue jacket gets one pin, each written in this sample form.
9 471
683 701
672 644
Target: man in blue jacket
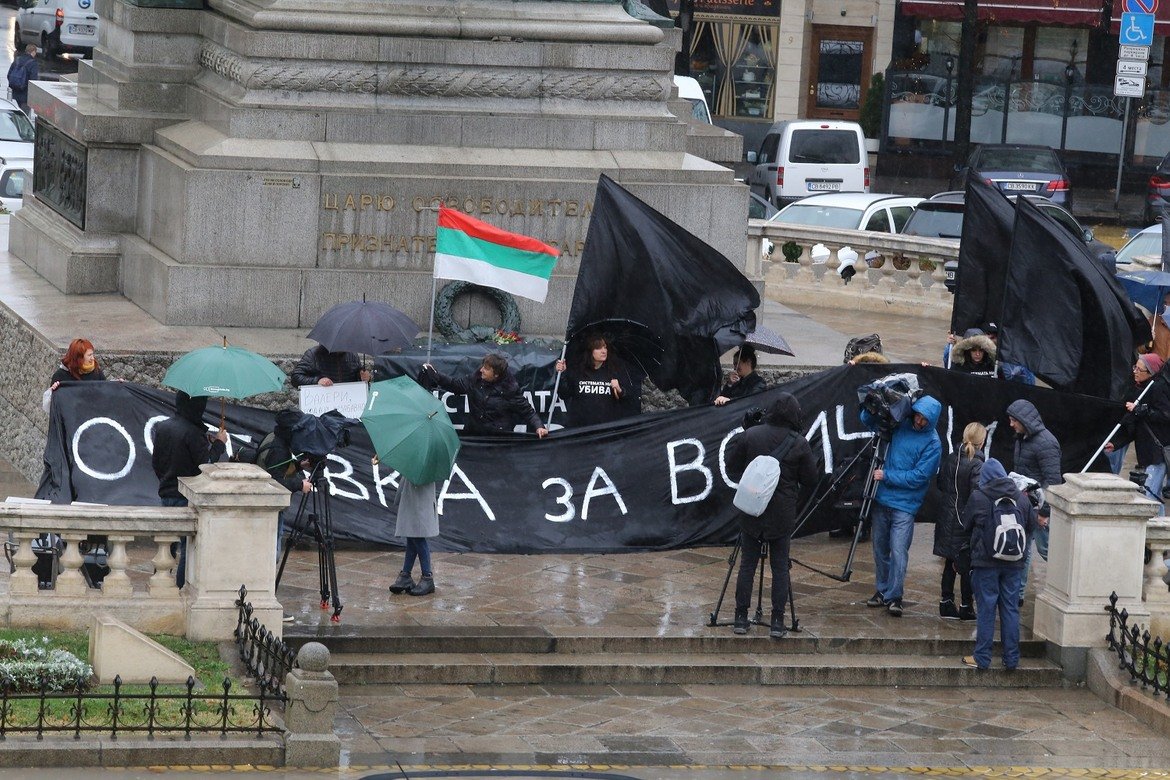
911 462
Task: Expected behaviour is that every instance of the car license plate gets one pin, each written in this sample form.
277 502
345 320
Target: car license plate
1019 186
824 186
81 29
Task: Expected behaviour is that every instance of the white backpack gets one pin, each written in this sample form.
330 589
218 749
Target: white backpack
1009 542
760 479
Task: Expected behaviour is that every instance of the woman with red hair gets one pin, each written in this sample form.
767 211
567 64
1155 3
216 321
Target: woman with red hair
77 365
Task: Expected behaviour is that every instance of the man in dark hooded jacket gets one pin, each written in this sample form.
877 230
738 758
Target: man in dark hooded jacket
1036 456
997 583
495 403
181 445
798 469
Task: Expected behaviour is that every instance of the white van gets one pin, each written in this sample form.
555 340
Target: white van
57 26
804 157
690 91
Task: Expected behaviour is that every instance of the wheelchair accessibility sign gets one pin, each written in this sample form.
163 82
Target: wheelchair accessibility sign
1136 29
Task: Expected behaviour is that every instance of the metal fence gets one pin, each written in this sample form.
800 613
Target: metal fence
78 711
1146 658
267 658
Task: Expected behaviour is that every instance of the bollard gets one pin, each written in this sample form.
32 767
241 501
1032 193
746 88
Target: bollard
309 740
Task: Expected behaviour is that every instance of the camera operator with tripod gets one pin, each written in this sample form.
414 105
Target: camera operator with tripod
911 460
775 433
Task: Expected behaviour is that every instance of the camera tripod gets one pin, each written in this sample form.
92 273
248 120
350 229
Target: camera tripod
756 618
313 517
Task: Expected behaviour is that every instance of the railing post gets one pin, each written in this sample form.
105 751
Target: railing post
309 740
1096 542
236 507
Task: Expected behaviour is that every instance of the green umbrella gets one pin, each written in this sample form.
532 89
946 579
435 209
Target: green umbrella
410 430
224 372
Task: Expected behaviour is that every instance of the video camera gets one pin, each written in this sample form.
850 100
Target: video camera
889 400
308 437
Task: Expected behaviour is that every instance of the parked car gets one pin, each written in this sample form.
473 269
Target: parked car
16 135
850 211
806 157
1143 251
1157 192
758 208
57 26
12 181
1018 169
690 91
941 216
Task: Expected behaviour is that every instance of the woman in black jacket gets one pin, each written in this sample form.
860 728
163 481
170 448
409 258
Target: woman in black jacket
494 400
957 478
595 389
798 469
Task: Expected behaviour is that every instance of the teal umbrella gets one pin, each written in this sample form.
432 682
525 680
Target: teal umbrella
410 430
224 372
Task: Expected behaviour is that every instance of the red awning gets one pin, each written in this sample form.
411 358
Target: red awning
1082 13
1161 12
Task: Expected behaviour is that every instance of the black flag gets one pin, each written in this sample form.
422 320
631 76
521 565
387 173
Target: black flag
1064 315
641 270
983 257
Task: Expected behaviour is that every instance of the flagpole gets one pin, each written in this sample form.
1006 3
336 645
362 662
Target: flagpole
556 385
1116 428
431 321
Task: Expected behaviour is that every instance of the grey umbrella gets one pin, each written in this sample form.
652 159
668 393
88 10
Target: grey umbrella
768 340
365 327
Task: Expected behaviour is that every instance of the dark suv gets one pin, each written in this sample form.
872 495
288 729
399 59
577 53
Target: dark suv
942 217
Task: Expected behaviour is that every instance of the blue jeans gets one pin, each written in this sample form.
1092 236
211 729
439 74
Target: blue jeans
1116 459
893 530
181 568
1041 538
1155 477
417 547
997 590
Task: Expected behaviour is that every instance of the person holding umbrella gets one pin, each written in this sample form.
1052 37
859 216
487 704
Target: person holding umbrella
744 380
181 445
319 366
412 434
493 396
595 388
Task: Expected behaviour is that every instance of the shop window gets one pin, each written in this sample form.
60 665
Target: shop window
736 66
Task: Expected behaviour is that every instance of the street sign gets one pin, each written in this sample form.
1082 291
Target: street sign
1140 6
1129 86
1136 29
1133 52
1131 67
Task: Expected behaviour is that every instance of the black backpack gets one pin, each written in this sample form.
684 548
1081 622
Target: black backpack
1004 537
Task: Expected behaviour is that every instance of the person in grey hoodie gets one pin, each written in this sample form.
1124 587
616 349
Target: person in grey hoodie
997 583
1036 456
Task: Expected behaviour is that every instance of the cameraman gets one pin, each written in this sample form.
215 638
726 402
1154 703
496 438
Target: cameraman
911 461
774 527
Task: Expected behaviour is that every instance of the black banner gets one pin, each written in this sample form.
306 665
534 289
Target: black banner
652 482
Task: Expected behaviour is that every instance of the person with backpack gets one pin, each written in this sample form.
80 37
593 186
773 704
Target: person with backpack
1002 519
23 69
777 436
957 479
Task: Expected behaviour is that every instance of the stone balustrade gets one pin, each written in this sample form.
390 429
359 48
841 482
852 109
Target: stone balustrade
231 531
906 277
1155 591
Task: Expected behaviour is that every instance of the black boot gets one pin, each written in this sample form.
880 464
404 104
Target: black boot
966 612
403 583
947 609
777 630
425 587
741 624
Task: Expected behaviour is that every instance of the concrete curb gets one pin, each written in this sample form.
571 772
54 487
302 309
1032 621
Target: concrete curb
1113 686
63 751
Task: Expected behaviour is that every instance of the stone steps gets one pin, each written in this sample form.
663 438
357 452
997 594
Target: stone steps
677 668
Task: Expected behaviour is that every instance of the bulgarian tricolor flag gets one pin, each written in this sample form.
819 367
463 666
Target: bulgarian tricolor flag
473 251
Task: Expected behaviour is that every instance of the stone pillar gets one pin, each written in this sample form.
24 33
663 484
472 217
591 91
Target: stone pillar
236 507
1155 590
309 740
1096 544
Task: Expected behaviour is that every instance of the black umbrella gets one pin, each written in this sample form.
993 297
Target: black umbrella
630 339
768 340
365 327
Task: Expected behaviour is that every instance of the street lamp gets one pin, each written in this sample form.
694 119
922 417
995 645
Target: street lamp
1070 72
949 64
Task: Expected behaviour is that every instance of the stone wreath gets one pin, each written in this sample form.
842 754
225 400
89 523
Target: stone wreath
445 322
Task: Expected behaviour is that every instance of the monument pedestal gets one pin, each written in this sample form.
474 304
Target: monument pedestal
275 161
